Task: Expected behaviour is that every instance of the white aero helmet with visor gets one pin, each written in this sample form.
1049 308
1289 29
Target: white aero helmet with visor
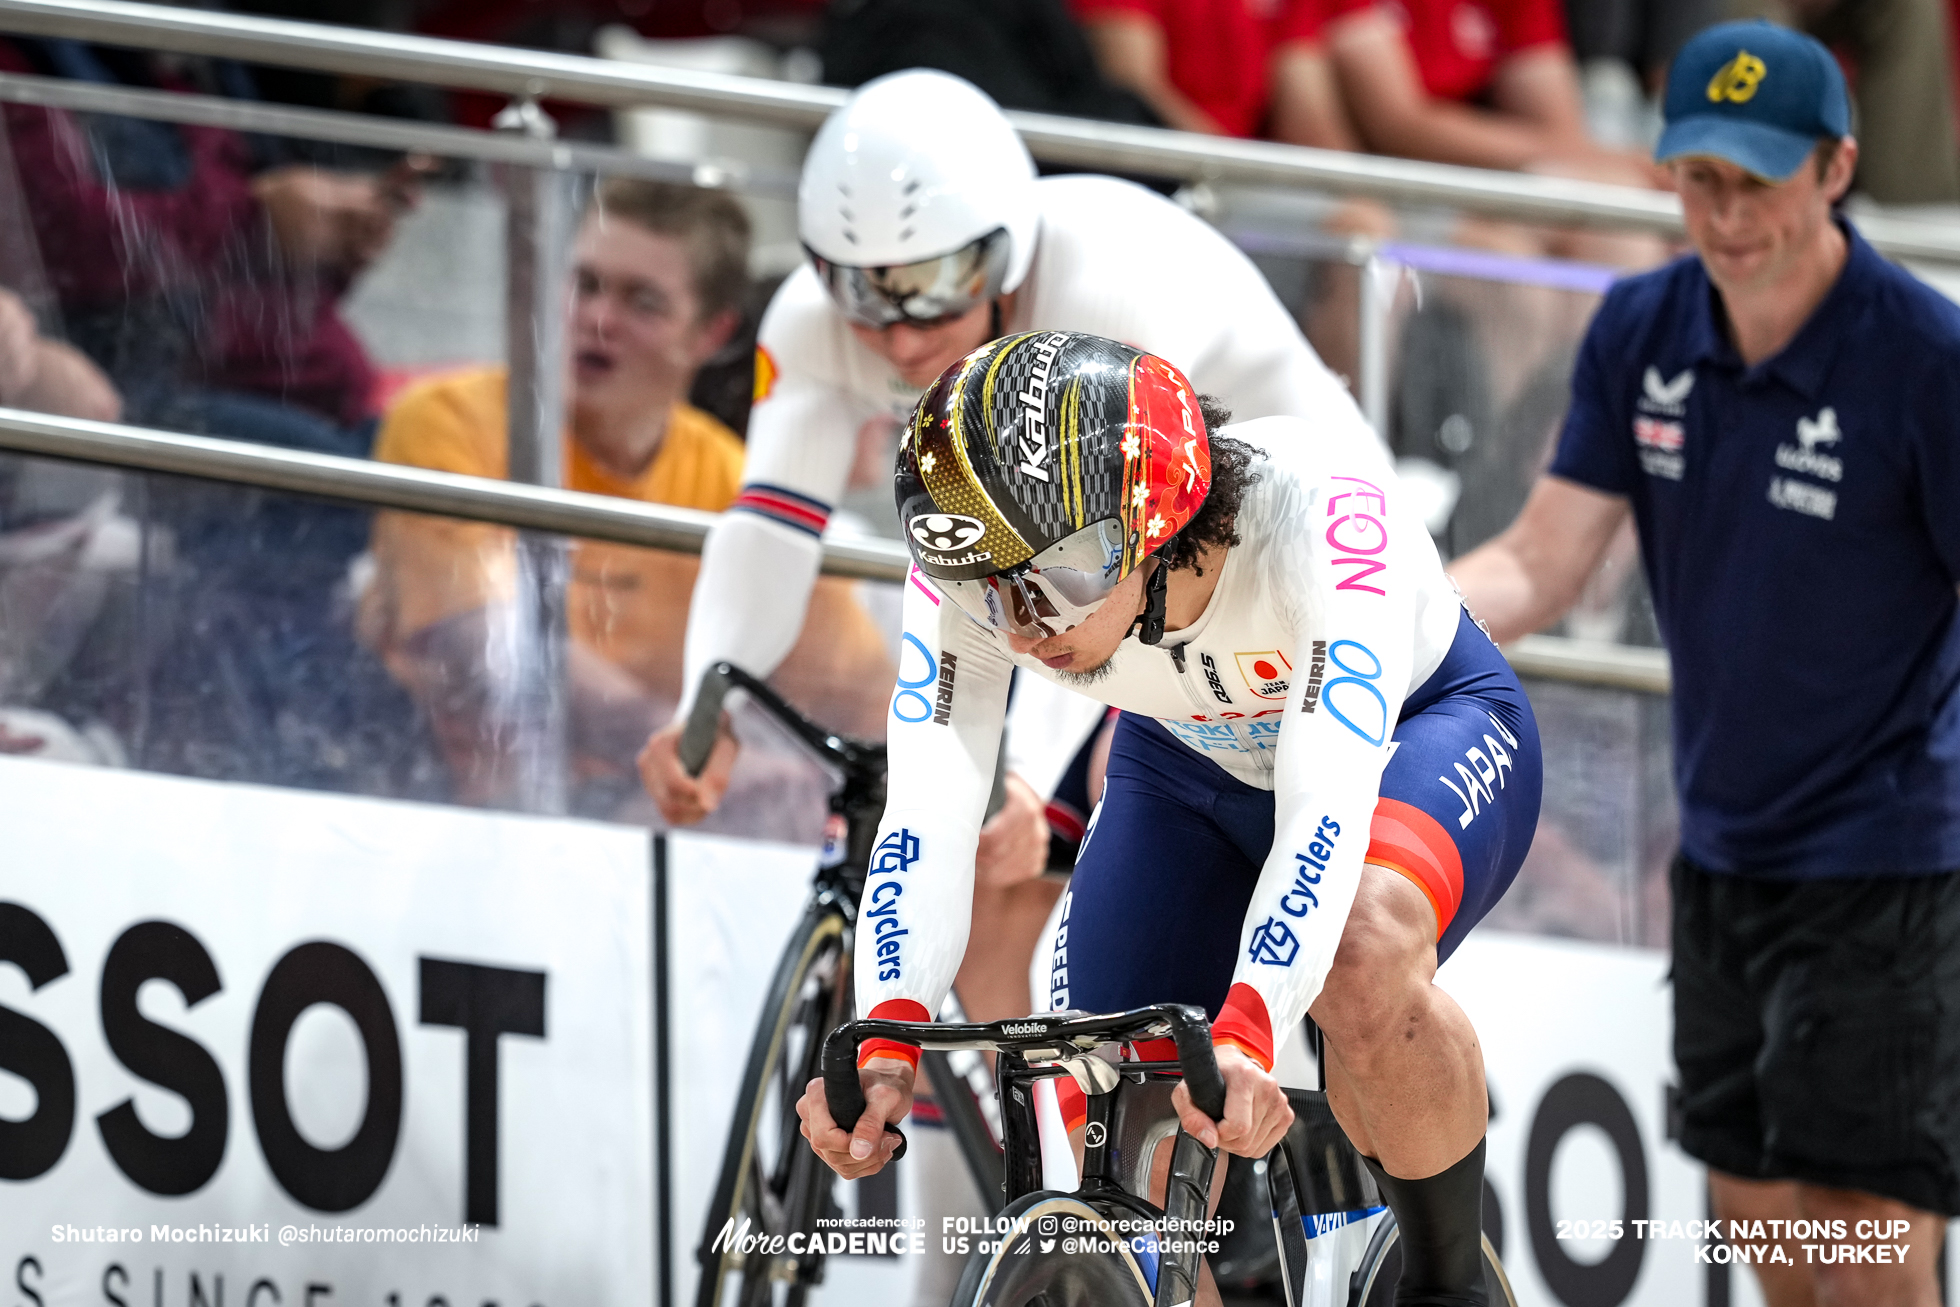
917 201
1041 469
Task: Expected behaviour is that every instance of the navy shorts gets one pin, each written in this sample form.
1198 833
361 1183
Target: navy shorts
1174 852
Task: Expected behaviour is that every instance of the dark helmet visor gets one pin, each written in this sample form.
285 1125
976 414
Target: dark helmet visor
920 294
1055 590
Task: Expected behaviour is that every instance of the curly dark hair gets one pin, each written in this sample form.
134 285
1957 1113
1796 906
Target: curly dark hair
1231 476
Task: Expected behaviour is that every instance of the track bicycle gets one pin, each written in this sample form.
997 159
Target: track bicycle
770 1182
1336 1240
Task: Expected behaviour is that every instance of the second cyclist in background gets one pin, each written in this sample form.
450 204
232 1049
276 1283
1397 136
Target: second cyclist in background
928 234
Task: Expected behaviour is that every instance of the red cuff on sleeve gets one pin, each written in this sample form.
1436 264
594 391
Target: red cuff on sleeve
894 1009
1243 1023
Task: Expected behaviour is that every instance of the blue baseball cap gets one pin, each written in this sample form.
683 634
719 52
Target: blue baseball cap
1754 94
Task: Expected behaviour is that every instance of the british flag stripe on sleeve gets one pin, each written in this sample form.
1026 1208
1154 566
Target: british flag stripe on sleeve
782 505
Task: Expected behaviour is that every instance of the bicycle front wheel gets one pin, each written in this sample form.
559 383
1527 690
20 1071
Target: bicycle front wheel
1039 1263
1373 1282
770 1182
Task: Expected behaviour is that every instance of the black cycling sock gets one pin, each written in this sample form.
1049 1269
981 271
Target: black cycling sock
1442 1233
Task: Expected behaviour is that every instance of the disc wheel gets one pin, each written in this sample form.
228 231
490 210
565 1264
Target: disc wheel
770 1183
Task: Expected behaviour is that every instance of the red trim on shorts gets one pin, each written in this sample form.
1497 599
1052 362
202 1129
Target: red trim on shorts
894 1009
1409 840
1245 1024
1065 821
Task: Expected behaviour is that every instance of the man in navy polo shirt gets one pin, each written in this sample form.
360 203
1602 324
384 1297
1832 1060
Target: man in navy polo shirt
1782 414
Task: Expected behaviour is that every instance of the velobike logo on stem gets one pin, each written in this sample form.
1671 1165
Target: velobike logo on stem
909 703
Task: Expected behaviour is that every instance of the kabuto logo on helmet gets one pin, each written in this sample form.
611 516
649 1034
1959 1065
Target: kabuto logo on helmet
947 530
1034 407
1078 455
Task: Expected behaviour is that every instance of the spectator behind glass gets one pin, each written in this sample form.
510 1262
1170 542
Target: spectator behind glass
660 272
198 269
46 376
1025 54
1485 83
1224 67
203 273
52 516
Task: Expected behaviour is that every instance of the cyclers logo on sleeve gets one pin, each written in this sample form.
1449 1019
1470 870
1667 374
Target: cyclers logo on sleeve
1034 413
1354 699
1274 944
1319 849
895 853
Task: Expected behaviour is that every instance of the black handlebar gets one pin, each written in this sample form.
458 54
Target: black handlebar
704 723
1186 1025
858 757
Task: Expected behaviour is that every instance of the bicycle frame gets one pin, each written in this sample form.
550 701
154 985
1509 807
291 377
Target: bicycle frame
1042 1046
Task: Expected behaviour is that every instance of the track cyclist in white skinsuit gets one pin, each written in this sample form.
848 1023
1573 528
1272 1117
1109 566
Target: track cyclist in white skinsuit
1284 825
929 235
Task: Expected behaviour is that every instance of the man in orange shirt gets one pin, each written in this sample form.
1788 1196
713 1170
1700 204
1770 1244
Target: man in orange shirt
659 273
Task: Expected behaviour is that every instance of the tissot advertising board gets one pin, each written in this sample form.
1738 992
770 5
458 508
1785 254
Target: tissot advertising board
273 1049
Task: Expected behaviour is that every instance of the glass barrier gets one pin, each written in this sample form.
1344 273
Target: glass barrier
354 302
208 630
1474 350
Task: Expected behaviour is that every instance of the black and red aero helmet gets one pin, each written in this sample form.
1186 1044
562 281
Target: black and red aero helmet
1039 470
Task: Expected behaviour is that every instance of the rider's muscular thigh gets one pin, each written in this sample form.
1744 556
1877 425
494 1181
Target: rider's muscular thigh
1405 1074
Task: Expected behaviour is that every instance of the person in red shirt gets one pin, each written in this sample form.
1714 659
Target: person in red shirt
1485 83
1224 67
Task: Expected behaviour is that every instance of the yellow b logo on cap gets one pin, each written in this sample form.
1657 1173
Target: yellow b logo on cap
1737 80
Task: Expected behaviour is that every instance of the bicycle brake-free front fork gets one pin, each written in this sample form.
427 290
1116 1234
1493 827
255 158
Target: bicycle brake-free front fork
1187 1197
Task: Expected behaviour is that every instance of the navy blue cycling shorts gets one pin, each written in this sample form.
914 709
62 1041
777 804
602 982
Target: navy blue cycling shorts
1175 849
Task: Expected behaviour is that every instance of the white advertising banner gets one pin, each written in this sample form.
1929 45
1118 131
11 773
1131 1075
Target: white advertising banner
1600 1207
262 1048
1575 1040
732 906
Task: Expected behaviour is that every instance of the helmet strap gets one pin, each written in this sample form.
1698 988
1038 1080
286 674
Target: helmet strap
1151 619
993 318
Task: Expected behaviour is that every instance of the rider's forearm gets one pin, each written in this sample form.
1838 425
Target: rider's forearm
1298 909
750 597
942 743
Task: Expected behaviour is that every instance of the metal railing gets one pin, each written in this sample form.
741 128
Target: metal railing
598 517
534 75
412 489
